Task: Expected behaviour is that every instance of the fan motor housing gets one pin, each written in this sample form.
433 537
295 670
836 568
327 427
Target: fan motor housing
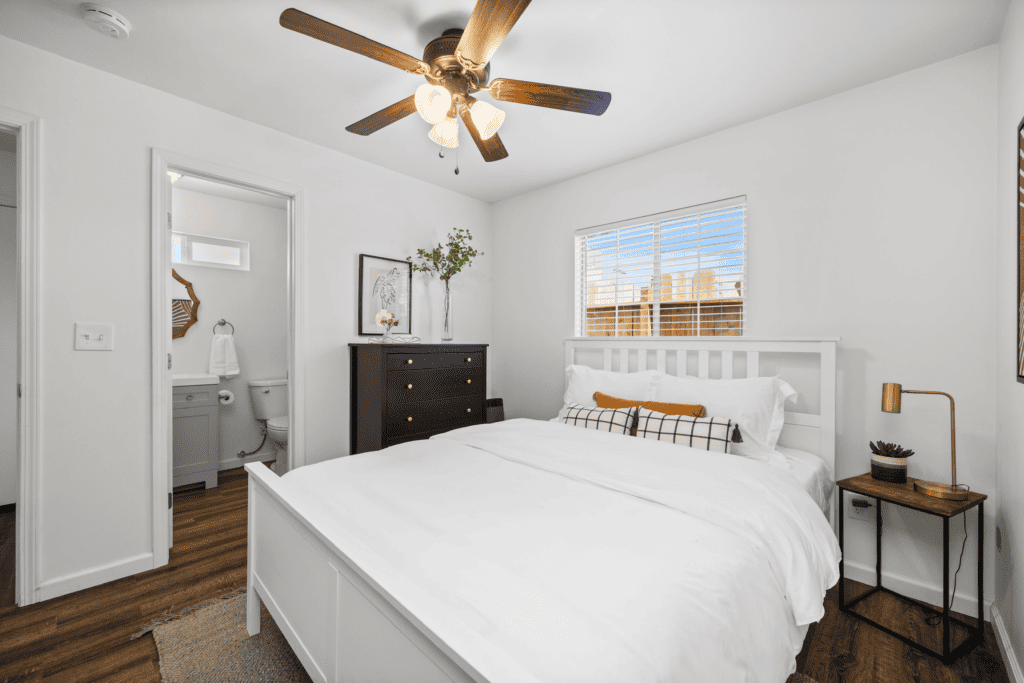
445 68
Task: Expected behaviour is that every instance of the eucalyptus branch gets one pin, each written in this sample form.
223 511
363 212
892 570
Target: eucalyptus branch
446 264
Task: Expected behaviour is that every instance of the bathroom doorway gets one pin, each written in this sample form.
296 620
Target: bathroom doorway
225 252
9 328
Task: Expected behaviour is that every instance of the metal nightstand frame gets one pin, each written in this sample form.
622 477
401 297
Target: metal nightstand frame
977 634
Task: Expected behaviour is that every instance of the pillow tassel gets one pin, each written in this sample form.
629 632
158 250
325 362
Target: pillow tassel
736 437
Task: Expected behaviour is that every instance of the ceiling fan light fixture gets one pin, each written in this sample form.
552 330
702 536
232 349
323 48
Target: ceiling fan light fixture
433 102
446 133
486 118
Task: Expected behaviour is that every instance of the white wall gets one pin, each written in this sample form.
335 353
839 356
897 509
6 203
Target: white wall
870 217
255 302
99 131
8 331
1009 586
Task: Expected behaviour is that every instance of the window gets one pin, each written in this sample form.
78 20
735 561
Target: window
212 252
675 274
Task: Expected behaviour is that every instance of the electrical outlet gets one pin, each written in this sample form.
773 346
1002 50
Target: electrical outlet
861 508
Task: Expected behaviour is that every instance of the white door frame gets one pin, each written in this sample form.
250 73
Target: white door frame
29 131
164 161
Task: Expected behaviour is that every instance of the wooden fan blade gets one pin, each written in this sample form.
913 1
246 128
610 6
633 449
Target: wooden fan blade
491 149
385 117
552 96
335 35
489 24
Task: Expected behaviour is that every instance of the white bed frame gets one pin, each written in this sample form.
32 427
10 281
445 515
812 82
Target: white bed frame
345 628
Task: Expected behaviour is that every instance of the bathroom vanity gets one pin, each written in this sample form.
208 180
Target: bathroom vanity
196 429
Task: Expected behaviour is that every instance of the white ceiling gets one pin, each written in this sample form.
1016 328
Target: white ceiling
677 69
226 191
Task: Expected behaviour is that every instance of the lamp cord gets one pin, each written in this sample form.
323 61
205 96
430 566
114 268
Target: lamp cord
935 619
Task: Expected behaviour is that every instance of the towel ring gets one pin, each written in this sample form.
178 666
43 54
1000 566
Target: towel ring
222 321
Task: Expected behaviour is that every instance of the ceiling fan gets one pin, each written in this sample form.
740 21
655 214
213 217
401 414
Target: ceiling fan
456 65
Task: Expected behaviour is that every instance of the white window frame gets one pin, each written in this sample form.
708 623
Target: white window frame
190 239
580 268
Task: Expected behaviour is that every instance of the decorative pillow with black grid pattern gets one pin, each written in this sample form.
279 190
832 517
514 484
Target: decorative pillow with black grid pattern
614 420
707 433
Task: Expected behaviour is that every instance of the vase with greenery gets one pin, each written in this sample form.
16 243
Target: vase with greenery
447 260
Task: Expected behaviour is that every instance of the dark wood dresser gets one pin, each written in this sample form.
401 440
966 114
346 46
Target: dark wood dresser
407 392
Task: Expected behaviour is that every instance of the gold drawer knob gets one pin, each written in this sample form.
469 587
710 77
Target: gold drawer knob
409 387
409 419
409 361
468 410
469 381
469 360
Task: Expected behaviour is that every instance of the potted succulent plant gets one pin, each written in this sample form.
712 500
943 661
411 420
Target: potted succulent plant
889 462
447 264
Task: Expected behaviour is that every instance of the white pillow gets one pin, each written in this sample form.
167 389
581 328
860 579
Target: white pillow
582 382
757 404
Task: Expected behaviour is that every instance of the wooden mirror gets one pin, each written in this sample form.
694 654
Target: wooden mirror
184 312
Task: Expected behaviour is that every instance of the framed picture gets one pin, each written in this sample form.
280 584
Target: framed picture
1020 252
384 284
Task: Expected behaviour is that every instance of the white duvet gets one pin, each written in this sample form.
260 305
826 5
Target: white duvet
540 551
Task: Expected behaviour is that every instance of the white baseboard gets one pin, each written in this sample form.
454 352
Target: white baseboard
1013 665
913 588
235 461
94 576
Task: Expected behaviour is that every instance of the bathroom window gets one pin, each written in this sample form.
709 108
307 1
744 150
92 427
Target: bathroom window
211 252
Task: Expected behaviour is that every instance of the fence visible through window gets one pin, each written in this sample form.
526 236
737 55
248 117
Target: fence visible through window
680 273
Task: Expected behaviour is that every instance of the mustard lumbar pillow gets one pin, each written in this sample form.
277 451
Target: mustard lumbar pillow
693 410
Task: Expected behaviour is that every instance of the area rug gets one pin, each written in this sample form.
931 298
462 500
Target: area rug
211 645
800 678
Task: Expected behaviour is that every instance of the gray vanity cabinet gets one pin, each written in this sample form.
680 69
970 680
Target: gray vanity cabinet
196 435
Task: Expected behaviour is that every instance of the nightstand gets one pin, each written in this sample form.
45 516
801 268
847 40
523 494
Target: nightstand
904 495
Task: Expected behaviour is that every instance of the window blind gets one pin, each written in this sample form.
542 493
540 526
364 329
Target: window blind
678 273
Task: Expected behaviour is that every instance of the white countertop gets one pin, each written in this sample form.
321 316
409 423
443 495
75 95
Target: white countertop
194 379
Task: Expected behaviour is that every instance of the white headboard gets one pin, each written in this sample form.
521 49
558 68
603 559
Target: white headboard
814 433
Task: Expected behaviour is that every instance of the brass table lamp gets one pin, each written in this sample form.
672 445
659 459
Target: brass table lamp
891 404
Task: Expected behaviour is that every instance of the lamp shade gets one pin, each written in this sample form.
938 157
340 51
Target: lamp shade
446 133
433 102
891 397
486 118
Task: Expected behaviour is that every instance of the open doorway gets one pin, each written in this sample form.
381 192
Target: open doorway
228 265
9 343
227 380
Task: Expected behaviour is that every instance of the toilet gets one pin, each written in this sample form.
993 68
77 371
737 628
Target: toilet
270 405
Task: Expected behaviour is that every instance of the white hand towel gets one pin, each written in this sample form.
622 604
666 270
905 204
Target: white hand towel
223 359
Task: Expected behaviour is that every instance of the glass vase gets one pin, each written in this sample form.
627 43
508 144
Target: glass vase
447 331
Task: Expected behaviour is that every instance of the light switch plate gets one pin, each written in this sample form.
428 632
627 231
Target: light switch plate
94 337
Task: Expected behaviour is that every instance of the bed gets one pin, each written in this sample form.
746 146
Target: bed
533 551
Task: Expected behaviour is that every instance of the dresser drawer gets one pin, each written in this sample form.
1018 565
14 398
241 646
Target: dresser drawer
433 361
200 395
416 386
439 415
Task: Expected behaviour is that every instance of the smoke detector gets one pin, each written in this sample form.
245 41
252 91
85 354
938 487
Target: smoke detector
105 20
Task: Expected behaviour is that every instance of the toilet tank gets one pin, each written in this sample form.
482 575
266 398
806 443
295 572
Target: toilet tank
269 398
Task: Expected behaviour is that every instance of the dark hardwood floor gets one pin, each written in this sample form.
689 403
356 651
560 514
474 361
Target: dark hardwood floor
85 636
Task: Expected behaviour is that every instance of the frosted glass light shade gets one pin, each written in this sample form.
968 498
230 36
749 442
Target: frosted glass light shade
486 118
446 133
433 102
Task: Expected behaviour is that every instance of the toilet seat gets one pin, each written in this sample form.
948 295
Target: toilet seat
277 429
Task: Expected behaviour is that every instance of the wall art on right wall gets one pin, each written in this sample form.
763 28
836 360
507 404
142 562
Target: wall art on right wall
1020 252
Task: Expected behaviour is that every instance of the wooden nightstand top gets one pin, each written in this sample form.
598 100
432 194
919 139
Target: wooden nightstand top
905 495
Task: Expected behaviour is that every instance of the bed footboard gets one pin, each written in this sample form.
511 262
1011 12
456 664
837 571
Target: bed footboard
340 624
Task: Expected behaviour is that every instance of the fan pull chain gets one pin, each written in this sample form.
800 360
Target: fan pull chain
441 152
456 161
